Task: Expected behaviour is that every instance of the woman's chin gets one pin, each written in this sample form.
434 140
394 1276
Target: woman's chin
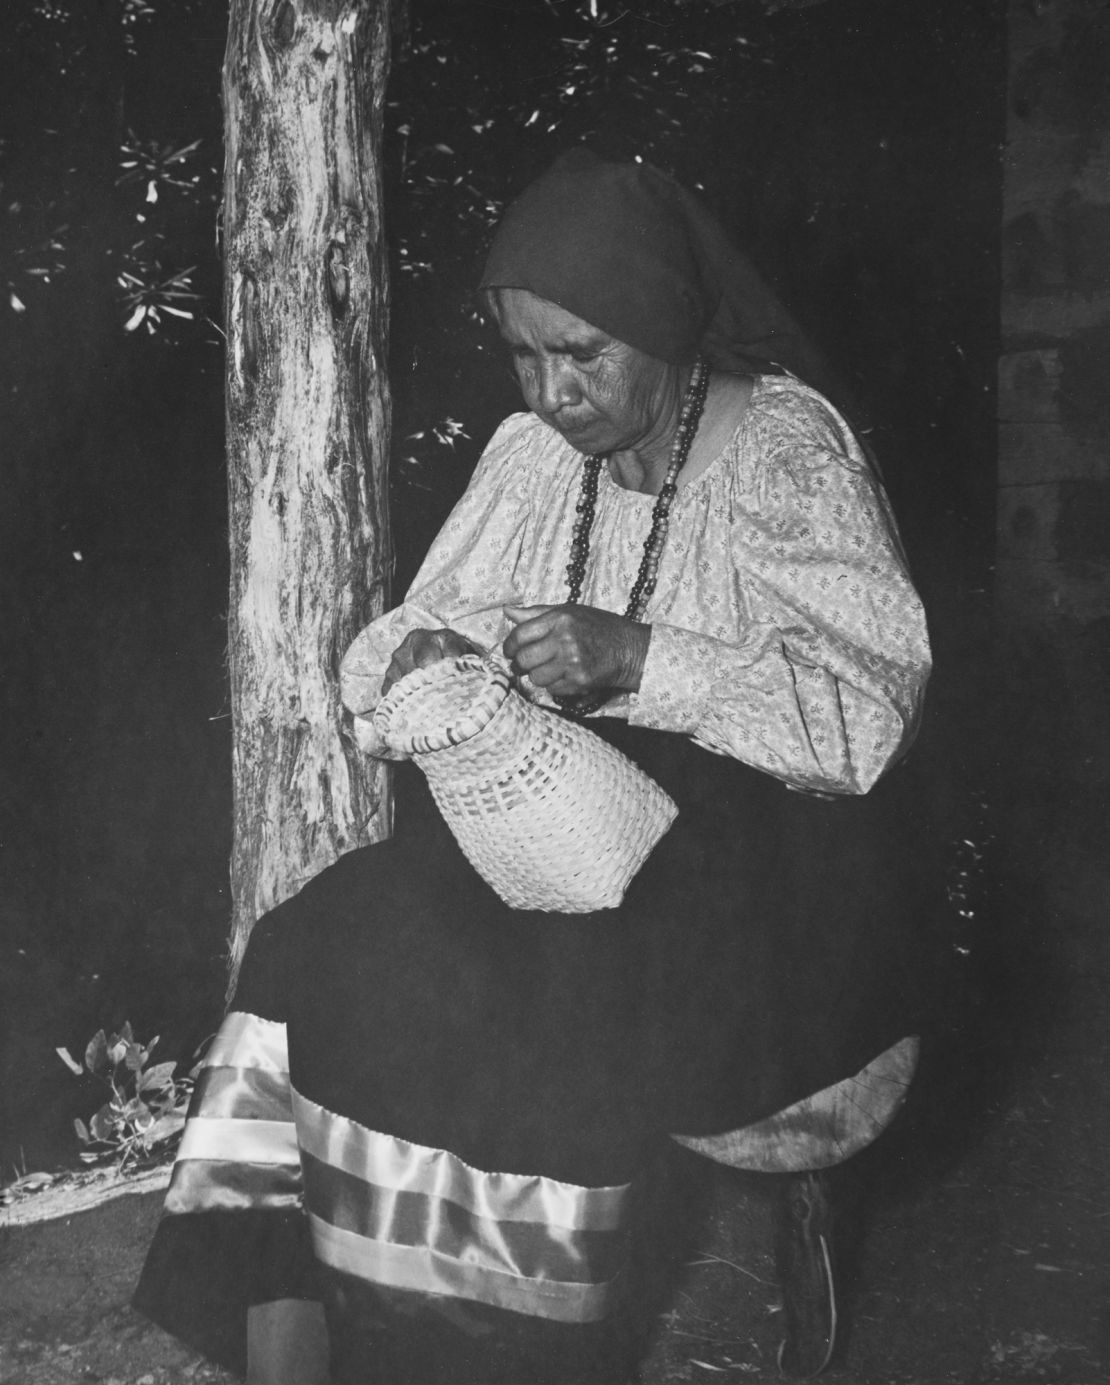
586 439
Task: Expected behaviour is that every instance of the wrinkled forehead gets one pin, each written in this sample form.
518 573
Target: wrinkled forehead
525 319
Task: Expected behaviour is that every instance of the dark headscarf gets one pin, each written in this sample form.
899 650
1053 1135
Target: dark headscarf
627 249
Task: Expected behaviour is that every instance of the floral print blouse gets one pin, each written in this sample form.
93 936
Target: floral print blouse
785 631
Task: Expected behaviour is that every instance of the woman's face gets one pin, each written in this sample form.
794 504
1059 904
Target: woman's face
599 393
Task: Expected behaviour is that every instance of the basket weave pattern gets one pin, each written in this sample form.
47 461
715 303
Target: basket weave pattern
549 814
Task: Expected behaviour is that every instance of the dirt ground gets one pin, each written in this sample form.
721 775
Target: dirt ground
984 1249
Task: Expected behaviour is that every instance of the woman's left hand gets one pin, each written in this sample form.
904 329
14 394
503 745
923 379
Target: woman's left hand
572 650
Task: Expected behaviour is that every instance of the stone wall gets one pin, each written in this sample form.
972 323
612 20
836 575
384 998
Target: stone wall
1054 375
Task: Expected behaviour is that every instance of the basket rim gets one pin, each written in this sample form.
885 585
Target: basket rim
472 718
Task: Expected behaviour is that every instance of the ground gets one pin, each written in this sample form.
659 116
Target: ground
984 1255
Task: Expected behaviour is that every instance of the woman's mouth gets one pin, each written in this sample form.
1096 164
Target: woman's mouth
572 427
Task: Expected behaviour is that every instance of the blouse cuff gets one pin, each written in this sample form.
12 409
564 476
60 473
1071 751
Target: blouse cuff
678 677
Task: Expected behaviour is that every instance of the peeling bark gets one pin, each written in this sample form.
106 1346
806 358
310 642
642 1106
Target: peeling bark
307 428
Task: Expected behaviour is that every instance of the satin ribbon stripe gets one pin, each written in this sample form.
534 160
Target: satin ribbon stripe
242 1093
239 1150
248 1041
248 1141
526 1250
423 1270
229 1185
391 1163
407 1216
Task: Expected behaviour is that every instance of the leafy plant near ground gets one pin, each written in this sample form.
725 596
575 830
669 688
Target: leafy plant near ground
145 1111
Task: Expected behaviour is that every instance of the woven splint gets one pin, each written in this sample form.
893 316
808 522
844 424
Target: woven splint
549 814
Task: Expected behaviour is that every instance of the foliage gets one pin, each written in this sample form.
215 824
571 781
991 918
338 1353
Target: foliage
150 292
158 165
72 230
169 180
655 81
145 1111
584 71
41 263
658 80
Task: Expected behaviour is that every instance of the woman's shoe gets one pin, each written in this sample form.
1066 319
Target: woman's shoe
803 1257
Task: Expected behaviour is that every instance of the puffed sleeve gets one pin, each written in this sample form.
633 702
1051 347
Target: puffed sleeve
823 684
470 573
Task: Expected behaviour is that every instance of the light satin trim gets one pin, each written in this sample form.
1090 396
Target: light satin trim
389 1162
528 1250
411 1217
246 1093
421 1269
246 1041
248 1141
239 1147
202 1185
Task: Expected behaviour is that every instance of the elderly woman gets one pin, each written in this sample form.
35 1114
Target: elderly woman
467 1097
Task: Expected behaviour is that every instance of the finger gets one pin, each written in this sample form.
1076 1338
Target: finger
394 673
416 650
557 677
519 640
553 676
548 664
459 644
535 628
530 656
423 647
429 652
518 614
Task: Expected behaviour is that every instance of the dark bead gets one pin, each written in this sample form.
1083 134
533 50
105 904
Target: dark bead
644 585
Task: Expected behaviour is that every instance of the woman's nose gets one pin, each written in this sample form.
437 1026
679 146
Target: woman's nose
555 385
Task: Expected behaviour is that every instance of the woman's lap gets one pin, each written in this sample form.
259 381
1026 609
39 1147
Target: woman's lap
744 971
754 960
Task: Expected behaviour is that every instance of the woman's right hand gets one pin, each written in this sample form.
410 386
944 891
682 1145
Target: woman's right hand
420 648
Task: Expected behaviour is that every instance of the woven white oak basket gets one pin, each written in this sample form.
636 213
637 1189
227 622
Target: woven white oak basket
548 813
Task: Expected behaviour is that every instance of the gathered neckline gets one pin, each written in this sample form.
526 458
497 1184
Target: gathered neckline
646 498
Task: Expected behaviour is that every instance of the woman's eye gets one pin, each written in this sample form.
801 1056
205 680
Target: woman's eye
583 357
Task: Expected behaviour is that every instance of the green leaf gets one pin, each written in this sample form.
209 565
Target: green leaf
82 1130
103 1126
70 1062
135 1057
96 1054
157 1077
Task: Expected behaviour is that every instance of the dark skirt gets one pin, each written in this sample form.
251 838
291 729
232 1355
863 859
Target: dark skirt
773 944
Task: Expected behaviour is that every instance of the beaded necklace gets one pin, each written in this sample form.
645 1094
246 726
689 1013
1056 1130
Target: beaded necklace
642 588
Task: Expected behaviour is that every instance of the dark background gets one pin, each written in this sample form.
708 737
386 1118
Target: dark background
853 146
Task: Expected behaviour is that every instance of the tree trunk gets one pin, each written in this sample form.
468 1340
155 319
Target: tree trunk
306 302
